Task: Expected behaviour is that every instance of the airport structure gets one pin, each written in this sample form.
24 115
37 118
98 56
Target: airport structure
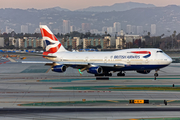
31 42
71 42
76 42
103 43
106 42
125 40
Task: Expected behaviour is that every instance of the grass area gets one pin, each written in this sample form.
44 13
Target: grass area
93 102
148 88
153 119
71 103
123 88
34 71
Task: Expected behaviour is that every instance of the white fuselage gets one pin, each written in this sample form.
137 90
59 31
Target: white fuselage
120 56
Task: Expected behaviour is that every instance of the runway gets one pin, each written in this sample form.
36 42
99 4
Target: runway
28 91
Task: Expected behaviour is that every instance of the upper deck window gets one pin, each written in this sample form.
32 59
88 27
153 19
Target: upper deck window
159 51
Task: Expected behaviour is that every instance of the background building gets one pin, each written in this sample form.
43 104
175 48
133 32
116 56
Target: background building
1 41
95 42
66 26
86 27
133 29
128 29
120 42
72 28
139 30
71 43
30 42
117 27
110 30
128 41
9 30
24 29
104 29
153 29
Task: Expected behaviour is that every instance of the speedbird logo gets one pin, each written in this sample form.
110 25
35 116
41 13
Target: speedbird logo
51 42
143 52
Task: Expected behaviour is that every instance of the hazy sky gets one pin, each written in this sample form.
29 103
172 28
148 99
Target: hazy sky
75 4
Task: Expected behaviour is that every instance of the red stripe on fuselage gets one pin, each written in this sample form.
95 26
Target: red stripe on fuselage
47 34
141 52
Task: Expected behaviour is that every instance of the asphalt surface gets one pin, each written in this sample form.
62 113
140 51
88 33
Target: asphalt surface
26 92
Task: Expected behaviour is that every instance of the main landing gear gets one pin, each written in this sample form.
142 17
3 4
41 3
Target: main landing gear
121 74
108 74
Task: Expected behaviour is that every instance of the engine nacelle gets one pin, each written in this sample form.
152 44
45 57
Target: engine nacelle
144 71
95 70
59 68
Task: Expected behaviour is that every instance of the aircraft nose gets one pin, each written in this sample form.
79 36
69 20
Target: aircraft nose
169 60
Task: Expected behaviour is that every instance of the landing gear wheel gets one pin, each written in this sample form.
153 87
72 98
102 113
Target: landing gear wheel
108 74
155 74
121 74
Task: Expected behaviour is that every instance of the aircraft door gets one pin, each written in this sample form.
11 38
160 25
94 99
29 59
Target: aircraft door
86 59
105 59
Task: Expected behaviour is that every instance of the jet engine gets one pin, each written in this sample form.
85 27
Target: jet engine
95 70
144 71
59 68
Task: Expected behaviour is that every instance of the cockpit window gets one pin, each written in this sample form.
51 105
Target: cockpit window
159 51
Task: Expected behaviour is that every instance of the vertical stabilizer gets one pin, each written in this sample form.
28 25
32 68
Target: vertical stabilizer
52 44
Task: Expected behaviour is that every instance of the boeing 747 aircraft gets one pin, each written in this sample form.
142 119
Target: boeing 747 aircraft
102 63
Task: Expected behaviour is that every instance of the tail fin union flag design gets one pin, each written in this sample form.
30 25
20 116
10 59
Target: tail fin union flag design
51 45
143 52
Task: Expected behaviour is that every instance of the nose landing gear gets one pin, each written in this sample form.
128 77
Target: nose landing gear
156 74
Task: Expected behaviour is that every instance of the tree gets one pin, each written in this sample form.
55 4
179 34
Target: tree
173 38
99 46
80 46
39 48
29 47
90 46
119 46
69 47
123 42
11 47
113 46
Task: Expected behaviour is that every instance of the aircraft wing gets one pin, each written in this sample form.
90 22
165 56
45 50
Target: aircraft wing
40 62
119 65
91 64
